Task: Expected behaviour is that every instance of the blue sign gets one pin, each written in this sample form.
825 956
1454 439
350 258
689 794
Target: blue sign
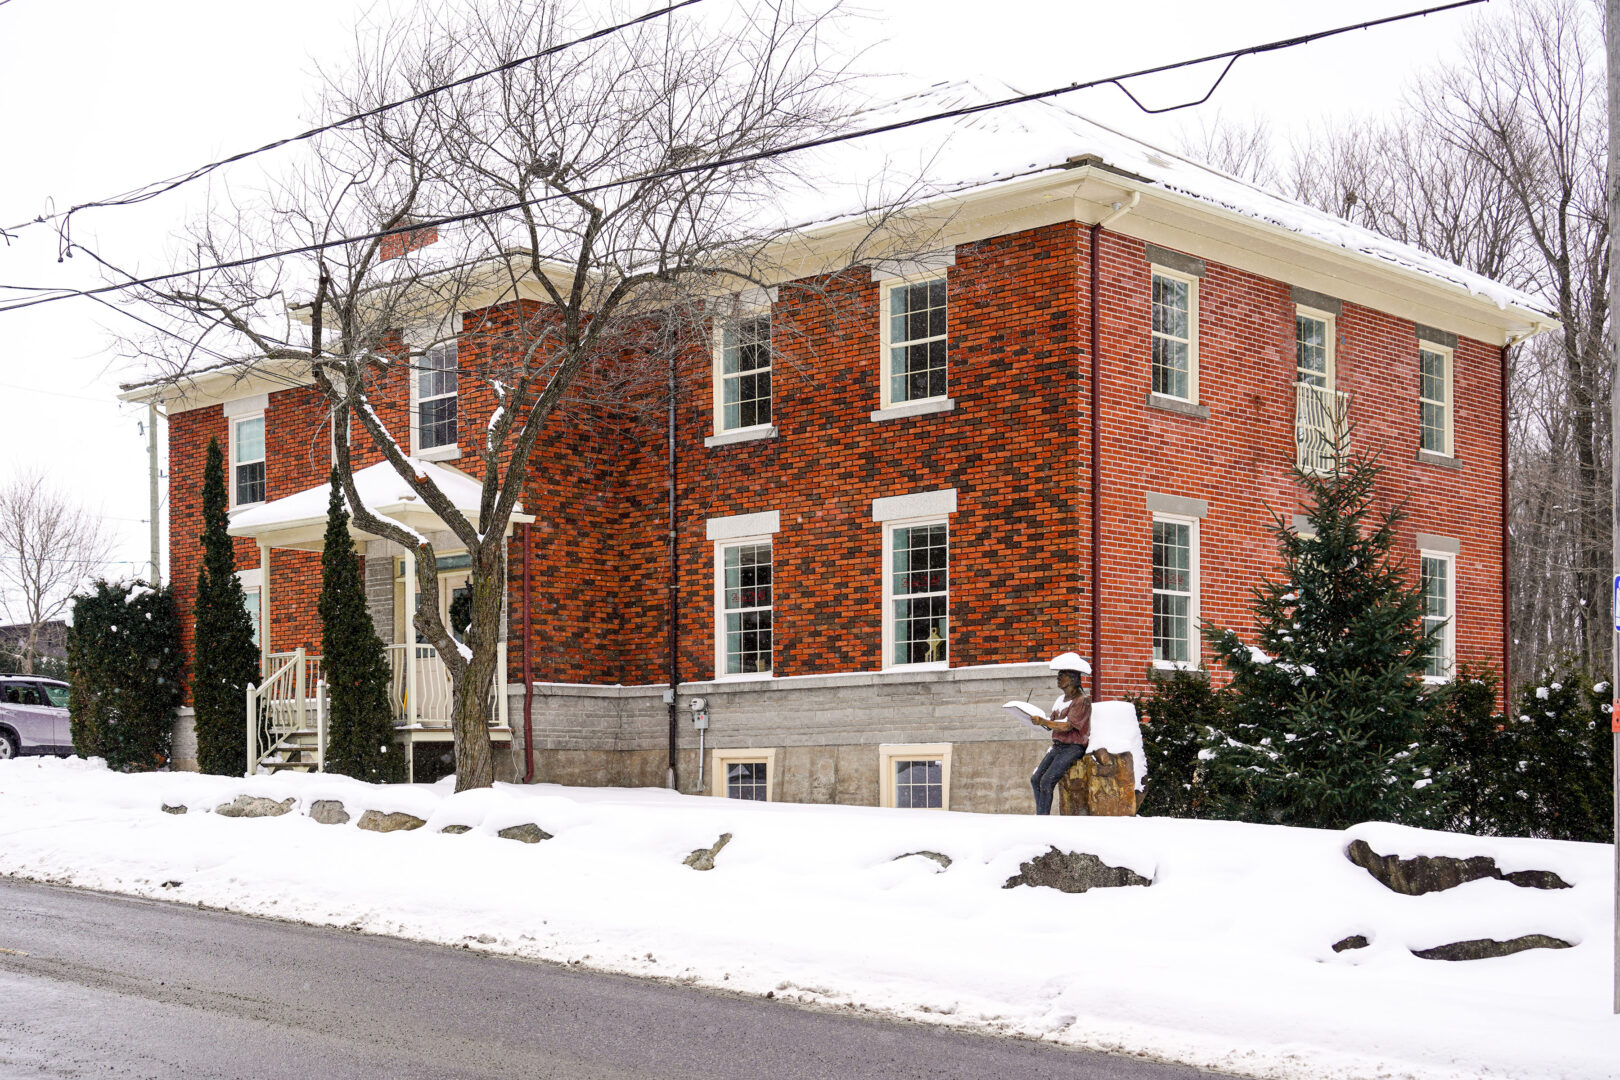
1616 605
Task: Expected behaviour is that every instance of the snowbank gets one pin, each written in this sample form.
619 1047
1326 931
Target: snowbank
1225 961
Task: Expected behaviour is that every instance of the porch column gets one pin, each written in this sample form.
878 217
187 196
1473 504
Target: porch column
410 637
264 610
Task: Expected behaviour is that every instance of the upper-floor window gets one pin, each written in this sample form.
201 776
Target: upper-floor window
1434 398
744 373
1175 334
914 341
436 379
1313 348
247 460
1439 612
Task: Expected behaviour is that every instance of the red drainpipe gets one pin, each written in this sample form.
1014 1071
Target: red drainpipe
1507 638
1096 483
528 675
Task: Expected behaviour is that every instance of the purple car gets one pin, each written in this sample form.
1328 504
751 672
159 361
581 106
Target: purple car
33 716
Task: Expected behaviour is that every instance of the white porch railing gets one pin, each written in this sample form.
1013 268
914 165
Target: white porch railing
1319 423
434 701
286 714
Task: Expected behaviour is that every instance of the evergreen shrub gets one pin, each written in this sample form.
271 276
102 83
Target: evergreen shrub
227 659
1327 711
124 668
1179 717
360 725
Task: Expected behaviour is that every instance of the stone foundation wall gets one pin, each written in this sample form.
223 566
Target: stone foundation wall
825 731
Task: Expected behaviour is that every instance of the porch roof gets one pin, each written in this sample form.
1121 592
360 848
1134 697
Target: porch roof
299 521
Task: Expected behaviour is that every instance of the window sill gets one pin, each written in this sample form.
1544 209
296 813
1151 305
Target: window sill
751 676
1436 680
1178 406
1429 457
914 408
439 453
1161 670
937 665
741 435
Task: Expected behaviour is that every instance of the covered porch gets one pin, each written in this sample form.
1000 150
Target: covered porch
286 711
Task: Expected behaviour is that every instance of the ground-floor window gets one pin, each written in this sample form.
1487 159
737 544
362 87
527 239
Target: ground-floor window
1439 613
917 594
745 608
915 776
1175 591
743 774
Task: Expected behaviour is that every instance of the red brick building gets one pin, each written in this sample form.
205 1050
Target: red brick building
898 492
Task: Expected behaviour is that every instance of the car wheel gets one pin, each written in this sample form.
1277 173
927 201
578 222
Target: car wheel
8 745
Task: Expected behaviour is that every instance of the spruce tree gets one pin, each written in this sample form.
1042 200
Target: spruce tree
1326 715
225 658
360 725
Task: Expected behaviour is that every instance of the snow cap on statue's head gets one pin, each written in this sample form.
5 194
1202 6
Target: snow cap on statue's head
1070 661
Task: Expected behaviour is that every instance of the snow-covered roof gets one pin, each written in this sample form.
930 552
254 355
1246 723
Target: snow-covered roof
299 520
979 152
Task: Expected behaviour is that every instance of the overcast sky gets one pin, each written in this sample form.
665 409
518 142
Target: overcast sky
97 96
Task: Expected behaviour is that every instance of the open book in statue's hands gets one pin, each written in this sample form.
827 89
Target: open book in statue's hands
1028 713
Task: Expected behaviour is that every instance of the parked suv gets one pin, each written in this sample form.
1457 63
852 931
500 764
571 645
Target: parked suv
33 716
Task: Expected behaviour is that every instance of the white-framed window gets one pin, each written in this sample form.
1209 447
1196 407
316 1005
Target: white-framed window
1175 591
1438 572
916 594
742 373
1175 334
1434 398
915 776
743 774
743 597
247 460
434 403
1314 335
915 334
250 581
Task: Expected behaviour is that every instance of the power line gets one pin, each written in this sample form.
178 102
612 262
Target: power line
1230 55
160 187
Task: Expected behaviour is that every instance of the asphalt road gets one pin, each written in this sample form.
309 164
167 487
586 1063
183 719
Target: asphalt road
93 985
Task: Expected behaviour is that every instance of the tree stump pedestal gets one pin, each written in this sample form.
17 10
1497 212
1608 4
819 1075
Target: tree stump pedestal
1100 784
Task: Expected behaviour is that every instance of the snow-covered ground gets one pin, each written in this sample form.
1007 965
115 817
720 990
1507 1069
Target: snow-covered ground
1225 961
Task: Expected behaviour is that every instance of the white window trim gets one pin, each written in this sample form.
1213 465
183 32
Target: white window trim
722 434
889 526
888 407
1196 645
1192 282
230 458
1448 636
889 753
252 581
1448 447
450 451
720 547
1331 334
719 759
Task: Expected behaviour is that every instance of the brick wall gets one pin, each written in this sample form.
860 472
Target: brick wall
1016 449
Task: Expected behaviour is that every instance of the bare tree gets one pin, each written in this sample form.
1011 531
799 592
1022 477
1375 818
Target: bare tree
608 195
49 546
1498 163
1242 148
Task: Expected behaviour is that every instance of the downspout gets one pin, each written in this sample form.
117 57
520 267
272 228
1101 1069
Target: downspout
528 674
1507 621
674 614
1096 483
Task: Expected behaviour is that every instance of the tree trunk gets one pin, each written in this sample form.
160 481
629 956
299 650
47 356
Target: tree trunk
475 766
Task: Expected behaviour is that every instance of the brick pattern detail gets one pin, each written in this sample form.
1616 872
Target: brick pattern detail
1016 448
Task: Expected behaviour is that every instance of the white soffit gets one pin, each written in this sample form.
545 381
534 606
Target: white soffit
921 504
737 525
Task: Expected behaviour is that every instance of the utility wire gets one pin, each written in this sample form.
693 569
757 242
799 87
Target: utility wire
1230 55
160 187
